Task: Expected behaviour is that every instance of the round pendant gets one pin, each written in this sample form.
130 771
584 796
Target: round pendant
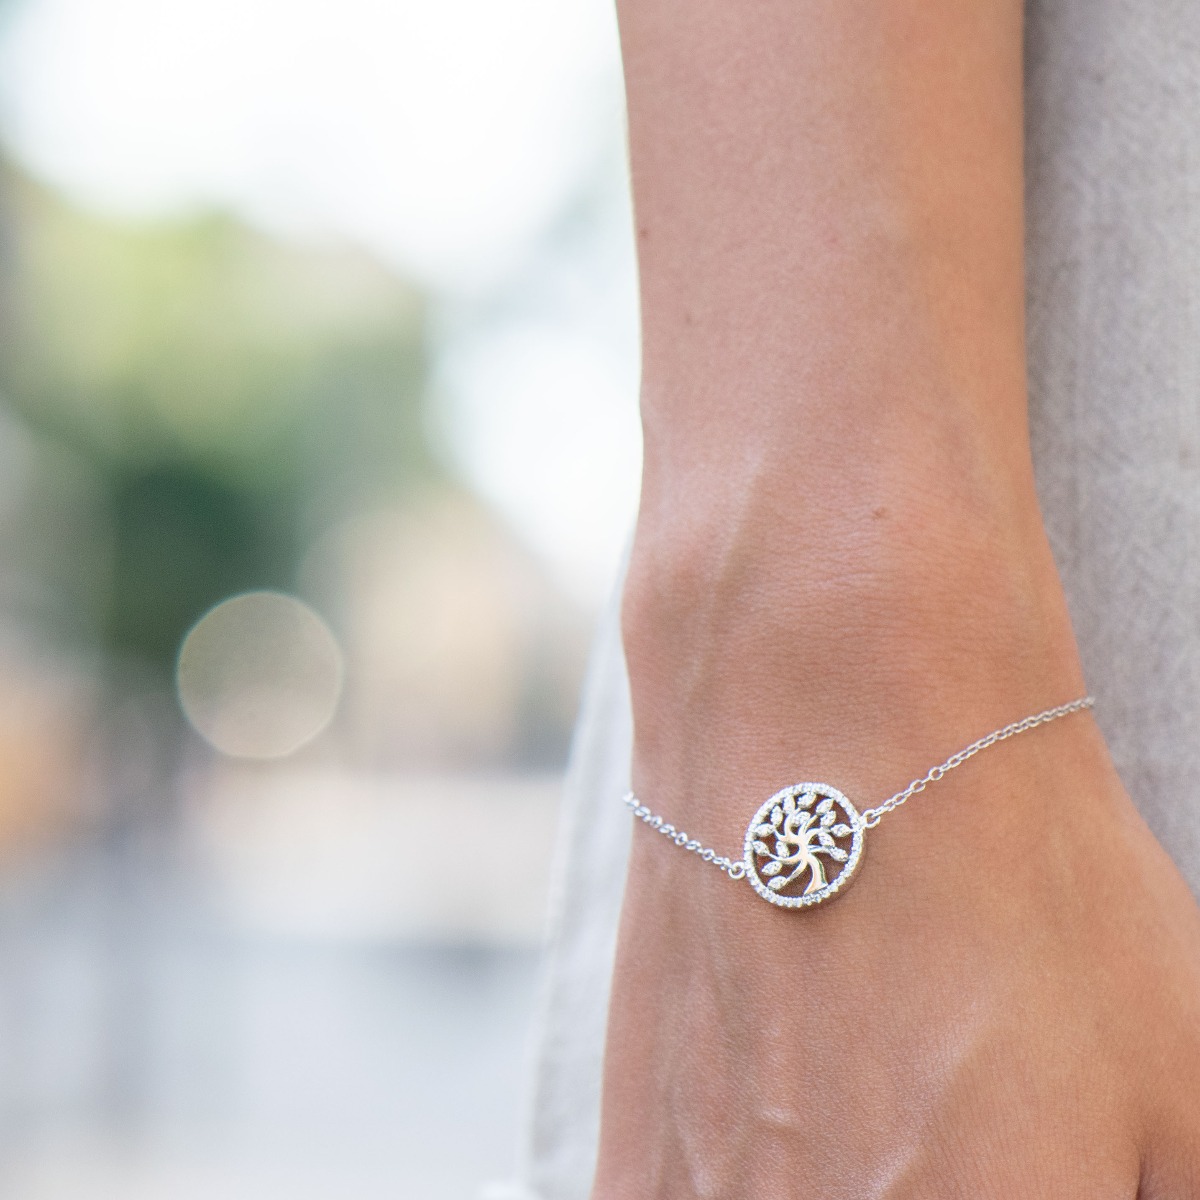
804 845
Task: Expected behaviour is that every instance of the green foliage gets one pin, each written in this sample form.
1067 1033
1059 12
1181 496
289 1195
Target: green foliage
219 385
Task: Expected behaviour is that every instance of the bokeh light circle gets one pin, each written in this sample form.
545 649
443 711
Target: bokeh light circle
259 675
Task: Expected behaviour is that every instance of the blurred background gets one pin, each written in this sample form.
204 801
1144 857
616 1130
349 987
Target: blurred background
318 447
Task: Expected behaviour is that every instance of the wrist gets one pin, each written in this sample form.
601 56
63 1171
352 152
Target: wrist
858 642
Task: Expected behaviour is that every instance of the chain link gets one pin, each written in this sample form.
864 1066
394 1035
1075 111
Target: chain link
871 816
735 870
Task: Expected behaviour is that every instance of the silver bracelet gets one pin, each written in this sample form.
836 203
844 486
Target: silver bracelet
798 827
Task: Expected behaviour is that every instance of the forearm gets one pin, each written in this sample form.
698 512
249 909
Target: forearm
829 217
839 534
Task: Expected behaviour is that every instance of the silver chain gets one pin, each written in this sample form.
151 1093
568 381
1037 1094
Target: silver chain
871 816
735 870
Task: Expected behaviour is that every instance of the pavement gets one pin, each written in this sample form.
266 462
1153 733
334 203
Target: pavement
167 1033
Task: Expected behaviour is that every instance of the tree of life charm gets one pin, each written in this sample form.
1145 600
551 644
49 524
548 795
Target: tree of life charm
803 845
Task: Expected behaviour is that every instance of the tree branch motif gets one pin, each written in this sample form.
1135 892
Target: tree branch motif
801 834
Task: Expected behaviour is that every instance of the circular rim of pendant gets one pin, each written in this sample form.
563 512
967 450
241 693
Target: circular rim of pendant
849 868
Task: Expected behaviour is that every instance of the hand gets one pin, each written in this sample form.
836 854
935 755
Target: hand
1005 1004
